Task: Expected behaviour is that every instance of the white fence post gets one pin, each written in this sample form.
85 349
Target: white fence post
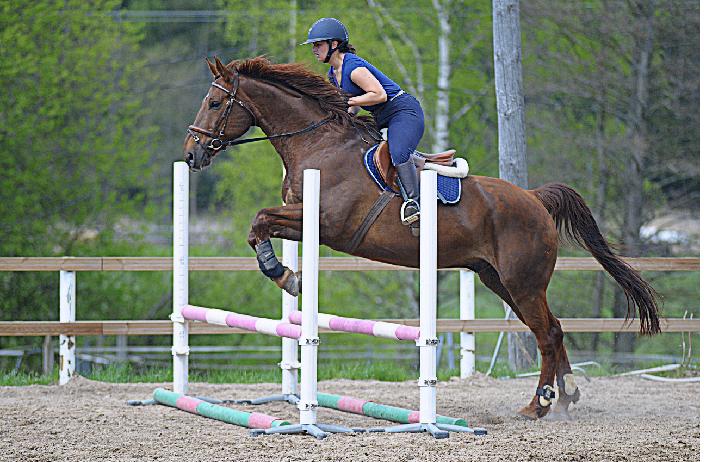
180 272
67 313
467 340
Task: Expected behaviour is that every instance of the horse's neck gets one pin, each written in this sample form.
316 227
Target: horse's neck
280 111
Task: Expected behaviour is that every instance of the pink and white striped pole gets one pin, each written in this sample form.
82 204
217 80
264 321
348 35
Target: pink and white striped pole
361 326
241 321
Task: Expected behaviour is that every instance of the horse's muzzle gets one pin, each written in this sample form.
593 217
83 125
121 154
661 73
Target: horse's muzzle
195 162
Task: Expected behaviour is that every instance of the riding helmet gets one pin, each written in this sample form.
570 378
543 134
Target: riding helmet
327 29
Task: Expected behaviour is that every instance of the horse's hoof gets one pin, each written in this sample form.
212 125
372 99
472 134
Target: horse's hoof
534 411
288 282
528 413
299 278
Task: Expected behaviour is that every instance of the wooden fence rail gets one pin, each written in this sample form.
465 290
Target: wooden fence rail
80 328
41 328
326 264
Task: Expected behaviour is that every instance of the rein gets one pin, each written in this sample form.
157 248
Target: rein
217 144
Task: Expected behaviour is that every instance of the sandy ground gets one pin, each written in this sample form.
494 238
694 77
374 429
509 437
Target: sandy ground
617 419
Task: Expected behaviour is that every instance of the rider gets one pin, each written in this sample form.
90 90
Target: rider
371 90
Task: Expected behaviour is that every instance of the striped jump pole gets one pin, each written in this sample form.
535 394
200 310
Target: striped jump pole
225 414
241 321
379 411
361 326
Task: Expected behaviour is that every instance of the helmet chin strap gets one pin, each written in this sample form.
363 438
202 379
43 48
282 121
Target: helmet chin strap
331 50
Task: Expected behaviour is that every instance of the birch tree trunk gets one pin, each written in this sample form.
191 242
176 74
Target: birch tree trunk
508 76
293 40
442 105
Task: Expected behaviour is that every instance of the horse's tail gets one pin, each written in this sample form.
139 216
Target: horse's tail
574 221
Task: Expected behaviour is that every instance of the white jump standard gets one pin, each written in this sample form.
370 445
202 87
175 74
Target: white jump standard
308 403
307 332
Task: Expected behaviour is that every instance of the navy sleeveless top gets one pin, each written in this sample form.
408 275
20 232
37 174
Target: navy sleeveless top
351 62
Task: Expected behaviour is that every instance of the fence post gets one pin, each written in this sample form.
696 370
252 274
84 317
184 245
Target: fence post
467 339
180 272
67 313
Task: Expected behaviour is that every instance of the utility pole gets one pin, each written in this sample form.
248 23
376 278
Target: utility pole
508 77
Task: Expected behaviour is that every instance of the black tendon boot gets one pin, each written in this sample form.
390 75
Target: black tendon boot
410 188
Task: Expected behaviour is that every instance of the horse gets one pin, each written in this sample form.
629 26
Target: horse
507 235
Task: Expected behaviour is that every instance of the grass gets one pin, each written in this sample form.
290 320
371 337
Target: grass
383 371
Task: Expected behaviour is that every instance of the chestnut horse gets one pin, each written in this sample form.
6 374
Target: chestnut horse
507 235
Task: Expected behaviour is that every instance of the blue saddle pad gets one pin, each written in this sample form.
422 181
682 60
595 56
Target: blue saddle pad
449 189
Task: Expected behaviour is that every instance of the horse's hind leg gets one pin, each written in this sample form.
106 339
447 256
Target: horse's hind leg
548 332
531 307
285 222
569 393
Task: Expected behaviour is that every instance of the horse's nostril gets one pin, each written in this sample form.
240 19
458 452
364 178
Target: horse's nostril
190 159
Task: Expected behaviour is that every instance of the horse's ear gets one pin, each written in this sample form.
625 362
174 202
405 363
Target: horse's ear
224 72
212 67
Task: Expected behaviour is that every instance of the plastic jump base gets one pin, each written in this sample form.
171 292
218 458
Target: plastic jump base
320 431
437 430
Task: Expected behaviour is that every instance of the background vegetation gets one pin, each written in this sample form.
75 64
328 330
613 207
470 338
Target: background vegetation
96 97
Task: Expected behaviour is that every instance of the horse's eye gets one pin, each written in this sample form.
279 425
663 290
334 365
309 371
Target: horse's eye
214 104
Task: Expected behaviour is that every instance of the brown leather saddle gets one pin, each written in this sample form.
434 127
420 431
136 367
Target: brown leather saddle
382 162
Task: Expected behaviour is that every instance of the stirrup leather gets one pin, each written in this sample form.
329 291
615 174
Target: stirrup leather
410 212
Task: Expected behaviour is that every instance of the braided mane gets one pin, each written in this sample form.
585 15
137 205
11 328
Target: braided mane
298 76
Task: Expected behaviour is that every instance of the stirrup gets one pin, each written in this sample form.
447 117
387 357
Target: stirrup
413 210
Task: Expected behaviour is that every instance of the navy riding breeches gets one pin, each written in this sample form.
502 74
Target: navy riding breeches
403 117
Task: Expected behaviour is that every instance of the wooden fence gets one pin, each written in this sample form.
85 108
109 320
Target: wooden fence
41 328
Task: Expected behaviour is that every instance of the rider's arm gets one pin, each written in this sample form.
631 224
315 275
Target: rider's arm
375 93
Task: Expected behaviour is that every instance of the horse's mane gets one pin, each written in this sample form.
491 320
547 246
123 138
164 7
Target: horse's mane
300 77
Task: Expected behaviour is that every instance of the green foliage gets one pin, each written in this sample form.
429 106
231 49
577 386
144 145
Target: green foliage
84 172
75 149
17 379
76 154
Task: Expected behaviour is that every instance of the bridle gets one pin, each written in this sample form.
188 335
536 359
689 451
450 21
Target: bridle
216 142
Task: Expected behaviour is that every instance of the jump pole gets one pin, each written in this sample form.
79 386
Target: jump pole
201 407
467 339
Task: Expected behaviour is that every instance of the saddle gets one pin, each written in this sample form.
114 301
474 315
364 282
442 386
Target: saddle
442 162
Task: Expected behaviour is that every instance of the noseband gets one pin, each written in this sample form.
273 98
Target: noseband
217 144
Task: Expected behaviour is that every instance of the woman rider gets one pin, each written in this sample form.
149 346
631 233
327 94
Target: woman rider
371 90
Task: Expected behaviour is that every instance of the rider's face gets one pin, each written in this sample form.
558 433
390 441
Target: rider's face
321 49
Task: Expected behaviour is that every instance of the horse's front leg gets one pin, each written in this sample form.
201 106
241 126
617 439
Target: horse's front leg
285 222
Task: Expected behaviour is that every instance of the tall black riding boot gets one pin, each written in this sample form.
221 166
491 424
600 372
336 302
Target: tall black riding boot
410 188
